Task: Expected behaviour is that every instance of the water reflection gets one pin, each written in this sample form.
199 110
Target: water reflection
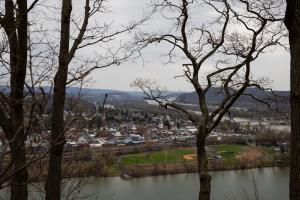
272 184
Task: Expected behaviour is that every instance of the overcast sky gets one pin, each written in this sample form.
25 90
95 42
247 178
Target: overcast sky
273 65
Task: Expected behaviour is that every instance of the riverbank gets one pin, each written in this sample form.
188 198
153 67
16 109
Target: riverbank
162 162
143 170
183 160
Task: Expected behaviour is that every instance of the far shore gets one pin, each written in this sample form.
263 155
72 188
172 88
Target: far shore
165 162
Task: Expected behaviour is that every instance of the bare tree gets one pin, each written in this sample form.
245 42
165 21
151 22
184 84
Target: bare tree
85 36
14 23
241 32
42 63
292 22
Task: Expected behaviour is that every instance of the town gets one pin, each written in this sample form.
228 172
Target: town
117 126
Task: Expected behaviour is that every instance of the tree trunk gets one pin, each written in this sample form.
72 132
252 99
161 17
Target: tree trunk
53 182
204 176
19 180
16 30
292 21
295 119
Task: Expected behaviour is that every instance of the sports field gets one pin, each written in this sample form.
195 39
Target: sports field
228 153
164 156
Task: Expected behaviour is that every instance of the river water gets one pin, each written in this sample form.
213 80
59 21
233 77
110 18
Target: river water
272 184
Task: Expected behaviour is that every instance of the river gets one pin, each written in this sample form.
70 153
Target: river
272 184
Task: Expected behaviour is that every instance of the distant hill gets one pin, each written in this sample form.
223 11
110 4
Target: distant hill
92 94
113 95
99 94
214 96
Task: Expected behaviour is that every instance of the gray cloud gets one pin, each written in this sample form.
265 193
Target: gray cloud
273 65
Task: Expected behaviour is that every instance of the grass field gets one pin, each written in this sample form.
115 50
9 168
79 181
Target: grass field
164 156
228 153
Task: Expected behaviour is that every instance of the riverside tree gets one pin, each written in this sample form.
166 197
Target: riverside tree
292 22
220 50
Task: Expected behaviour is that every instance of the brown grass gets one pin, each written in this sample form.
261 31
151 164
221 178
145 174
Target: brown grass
250 154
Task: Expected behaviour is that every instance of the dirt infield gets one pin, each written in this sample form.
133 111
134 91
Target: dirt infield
251 155
190 156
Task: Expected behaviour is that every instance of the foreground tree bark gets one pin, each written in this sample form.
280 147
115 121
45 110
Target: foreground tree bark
14 24
292 22
53 182
203 173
